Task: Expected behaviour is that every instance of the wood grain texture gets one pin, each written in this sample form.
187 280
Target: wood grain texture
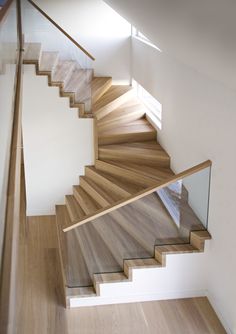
121 244
123 173
139 195
87 203
48 61
112 99
138 155
97 255
104 180
139 130
13 210
63 71
74 268
143 231
158 174
32 52
100 195
74 208
39 290
99 87
130 111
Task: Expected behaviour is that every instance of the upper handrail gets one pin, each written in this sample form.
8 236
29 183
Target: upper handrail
141 194
4 9
62 30
13 195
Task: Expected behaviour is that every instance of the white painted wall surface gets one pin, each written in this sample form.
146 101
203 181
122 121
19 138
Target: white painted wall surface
199 123
200 34
99 29
57 144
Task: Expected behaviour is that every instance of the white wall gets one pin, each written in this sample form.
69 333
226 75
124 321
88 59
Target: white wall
99 29
201 34
57 144
198 123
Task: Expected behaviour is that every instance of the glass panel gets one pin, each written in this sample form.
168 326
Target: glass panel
38 29
8 55
166 216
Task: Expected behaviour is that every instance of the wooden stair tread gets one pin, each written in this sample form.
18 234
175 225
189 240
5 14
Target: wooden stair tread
104 197
131 264
159 174
87 203
140 125
147 221
48 61
130 132
148 145
97 256
162 251
114 92
83 94
129 188
129 111
99 86
62 70
135 153
115 96
105 278
74 267
128 137
32 52
120 171
81 292
79 77
107 181
76 213
121 244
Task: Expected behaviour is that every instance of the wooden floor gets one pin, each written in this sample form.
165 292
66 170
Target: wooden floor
39 309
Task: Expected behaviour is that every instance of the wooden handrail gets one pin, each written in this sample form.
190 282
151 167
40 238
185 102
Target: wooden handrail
4 9
140 194
61 30
12 218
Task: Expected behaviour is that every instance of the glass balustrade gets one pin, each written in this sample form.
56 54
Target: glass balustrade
166 216
40 30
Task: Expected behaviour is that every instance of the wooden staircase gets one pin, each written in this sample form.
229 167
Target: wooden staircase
128 160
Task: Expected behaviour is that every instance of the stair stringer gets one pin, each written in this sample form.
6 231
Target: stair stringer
157 278
62 93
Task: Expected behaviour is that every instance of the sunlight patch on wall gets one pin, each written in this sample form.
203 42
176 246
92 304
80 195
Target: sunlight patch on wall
141 37
154 107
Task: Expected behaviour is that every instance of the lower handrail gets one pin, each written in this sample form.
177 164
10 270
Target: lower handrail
140 194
